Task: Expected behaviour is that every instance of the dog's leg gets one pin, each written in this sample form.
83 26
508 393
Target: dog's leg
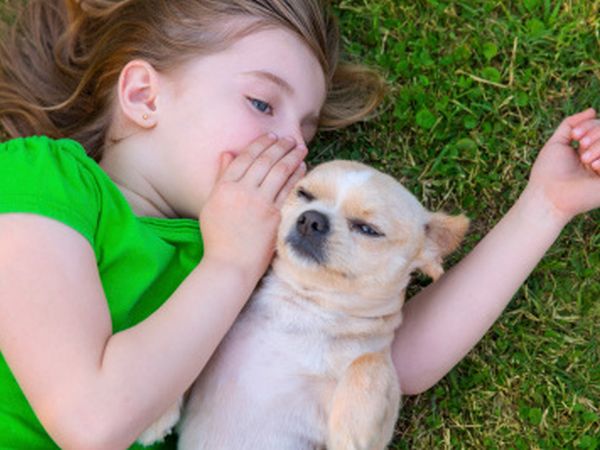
163 426
365 405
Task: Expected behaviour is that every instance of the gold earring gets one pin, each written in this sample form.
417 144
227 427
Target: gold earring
145 117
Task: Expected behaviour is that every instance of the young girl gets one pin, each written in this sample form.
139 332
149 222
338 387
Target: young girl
112 295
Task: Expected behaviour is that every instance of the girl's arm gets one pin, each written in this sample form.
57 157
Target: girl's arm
92 389
88 388
444 321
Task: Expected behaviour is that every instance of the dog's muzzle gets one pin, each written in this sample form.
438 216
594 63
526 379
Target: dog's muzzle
309 236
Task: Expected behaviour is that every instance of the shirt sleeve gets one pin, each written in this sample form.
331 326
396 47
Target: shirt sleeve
51 178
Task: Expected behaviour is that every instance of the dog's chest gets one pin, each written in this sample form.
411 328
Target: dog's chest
302 338
275 371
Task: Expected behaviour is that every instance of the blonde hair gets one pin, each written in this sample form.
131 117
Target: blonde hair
60 61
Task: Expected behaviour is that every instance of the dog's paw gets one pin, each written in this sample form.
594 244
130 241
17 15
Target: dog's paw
162 427
365 405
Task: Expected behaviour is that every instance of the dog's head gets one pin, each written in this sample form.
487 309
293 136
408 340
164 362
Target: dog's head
350 231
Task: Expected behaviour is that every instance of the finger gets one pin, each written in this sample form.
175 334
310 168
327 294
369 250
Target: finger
224 162
580 117
590 137
595 166
289 186
583 128
279 175
562 134
261 166
592 154
244 160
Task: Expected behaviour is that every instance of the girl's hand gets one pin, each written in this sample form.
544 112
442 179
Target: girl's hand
568 181
240 218
587 133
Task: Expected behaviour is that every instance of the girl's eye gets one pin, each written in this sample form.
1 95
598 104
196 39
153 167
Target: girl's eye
261 106
366 229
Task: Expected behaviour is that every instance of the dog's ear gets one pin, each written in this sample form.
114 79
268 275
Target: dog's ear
443 234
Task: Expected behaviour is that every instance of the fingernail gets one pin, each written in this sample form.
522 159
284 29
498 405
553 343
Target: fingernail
586 157
577 132
272 135
596 165
585 141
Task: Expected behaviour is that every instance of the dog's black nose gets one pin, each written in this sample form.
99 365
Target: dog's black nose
312 223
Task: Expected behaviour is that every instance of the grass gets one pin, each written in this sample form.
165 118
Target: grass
476 88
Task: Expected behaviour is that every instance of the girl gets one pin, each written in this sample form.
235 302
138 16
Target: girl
112 296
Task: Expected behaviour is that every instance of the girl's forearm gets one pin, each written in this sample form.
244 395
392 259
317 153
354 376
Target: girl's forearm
444 321
145 369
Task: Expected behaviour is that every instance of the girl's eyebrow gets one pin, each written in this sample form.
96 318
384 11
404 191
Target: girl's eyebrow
272 78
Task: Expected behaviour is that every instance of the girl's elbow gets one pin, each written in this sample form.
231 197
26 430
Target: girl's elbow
414 383
409 389
90 429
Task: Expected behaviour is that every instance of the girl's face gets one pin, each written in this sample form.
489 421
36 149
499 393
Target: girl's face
268 81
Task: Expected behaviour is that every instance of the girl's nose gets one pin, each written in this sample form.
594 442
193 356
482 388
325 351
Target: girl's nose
294 133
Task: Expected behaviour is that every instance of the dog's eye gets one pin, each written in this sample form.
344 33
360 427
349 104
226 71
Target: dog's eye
365 228
304 194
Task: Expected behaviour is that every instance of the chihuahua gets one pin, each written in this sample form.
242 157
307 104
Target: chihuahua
307 364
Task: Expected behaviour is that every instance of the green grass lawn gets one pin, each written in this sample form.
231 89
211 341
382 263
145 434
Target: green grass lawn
476 88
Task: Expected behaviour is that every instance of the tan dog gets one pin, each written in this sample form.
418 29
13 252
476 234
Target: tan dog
308 365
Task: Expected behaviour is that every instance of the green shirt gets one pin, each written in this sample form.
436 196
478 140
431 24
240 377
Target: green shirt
141 260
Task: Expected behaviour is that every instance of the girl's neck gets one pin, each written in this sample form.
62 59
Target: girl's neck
139 192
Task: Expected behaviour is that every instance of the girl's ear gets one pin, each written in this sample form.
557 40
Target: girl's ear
138 92
443 234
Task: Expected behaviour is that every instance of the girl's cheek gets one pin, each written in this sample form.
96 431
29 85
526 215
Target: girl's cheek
244 125
252 128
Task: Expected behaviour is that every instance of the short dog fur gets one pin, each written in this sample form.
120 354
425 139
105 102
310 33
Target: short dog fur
307 364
